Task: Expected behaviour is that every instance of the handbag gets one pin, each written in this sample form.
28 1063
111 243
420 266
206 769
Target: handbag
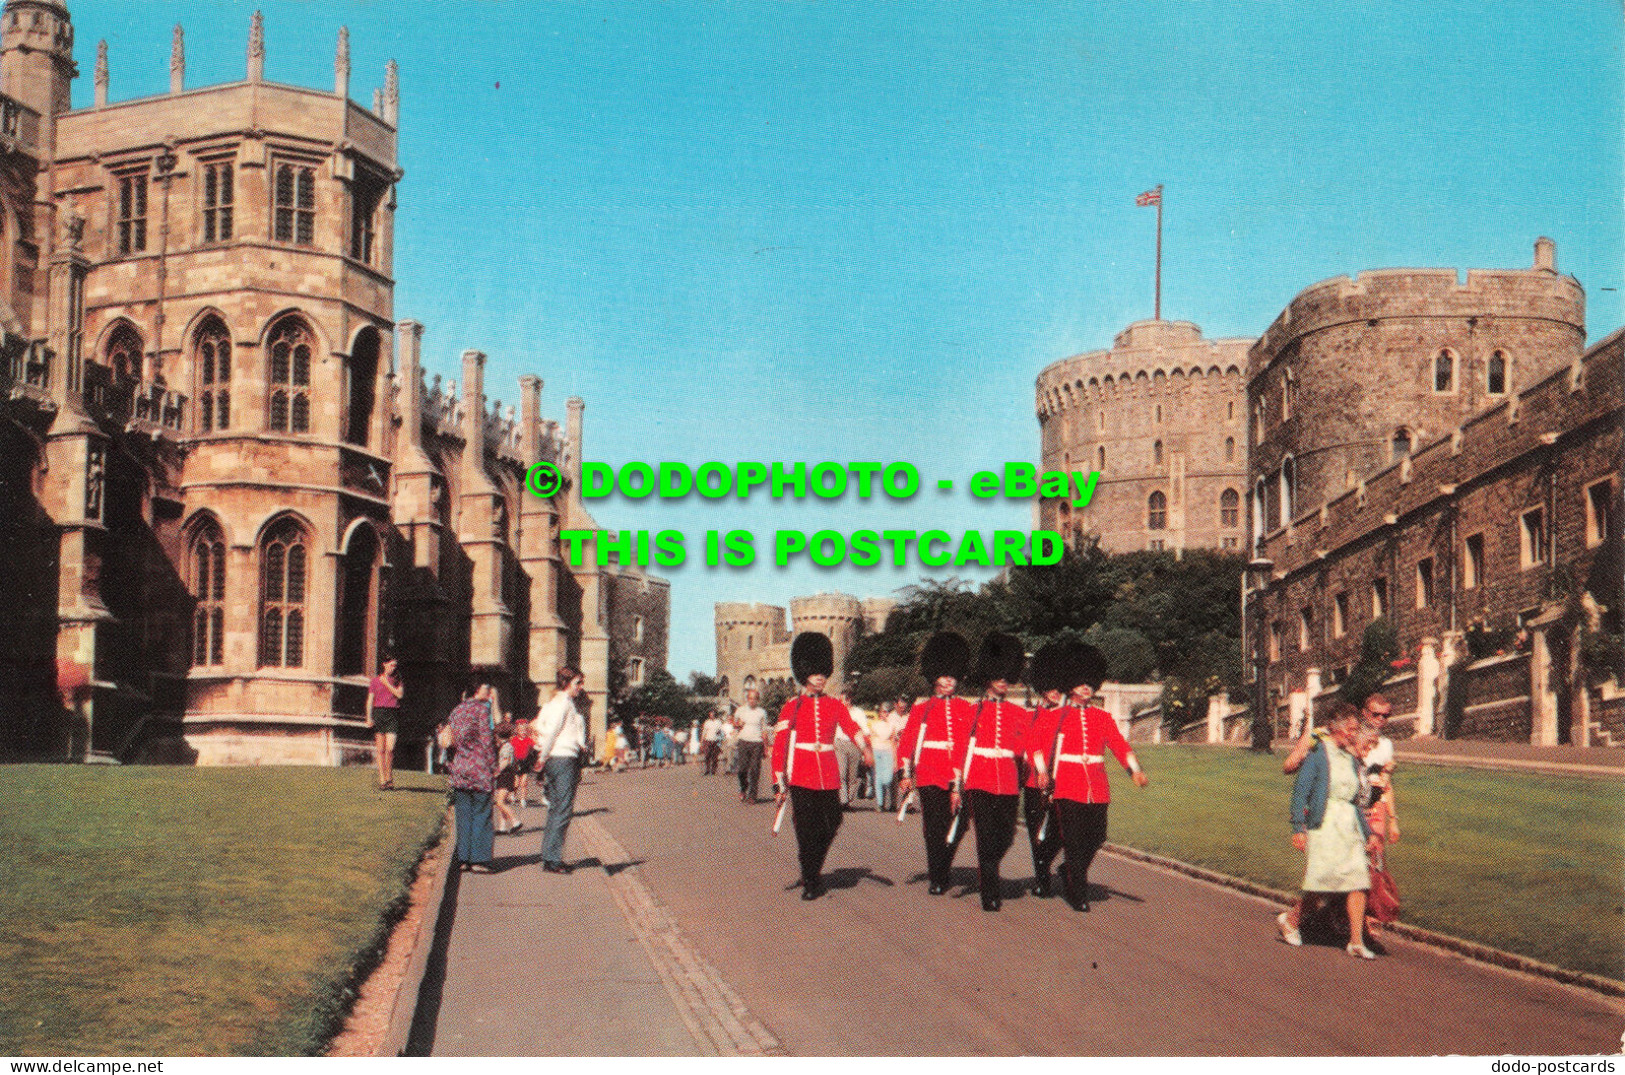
1382 903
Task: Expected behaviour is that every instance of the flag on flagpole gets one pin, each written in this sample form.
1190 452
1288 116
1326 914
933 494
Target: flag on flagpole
1150 197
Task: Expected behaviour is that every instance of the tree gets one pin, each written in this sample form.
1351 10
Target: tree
659 695
703 686
1379 646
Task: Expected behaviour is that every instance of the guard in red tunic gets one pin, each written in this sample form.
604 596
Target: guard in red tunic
804 756
987 770
932 744
1036 804
1074 762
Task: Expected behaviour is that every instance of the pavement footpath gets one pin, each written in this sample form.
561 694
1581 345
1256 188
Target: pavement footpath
680 932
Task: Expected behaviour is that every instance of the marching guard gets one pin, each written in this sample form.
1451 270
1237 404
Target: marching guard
1043 831
804 765
987 771
932 743
1069 753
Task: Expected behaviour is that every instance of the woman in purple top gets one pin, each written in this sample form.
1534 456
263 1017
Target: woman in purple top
384 696
472 775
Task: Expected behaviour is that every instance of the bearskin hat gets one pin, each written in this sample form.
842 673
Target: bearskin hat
811 654
1001 657
1080 663
945 654
1045 673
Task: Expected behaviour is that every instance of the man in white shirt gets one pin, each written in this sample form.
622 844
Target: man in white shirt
711 740
561 736
750 719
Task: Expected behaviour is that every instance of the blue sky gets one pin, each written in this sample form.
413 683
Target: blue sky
858 231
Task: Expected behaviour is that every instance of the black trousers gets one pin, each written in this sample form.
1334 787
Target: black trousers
1034 803
817 814
995 819
750 768
1083 830
937 817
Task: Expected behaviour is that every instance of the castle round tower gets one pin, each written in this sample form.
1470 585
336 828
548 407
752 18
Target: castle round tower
1355 375
748 637
838 615
1162 417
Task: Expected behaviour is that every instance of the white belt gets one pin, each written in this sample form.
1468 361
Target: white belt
1083 759
992 752
815 746
938 744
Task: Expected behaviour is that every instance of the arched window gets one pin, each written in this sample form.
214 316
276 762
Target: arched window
1229 507
1400 445
282 596
1258 512
1289 481
1156 454
363 375
357 608
1157 512
1496 375
123 355
1444 372
209 589
1229 449
1101 458
289 346
211 349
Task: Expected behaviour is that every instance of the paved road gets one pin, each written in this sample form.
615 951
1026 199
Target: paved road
1163 965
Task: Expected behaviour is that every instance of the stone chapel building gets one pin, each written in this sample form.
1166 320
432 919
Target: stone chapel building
226 490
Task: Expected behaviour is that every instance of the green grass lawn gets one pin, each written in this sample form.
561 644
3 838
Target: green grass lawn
177 911
1530 864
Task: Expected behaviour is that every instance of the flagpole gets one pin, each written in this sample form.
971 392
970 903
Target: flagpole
1158 314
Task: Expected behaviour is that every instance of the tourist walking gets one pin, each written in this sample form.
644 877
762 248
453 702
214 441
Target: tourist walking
848 757
561 737
524 761
987 772
804 757
884 728
931 742
1071 754
384 696
711 734
1330 828
472 774
507 780
751 721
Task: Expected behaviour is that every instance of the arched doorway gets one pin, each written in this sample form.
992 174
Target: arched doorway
352 655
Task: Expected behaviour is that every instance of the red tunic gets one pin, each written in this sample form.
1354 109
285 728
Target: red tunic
1080 766
812 718
946 723
998 733
1040 739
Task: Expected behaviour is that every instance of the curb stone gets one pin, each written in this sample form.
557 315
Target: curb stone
406 996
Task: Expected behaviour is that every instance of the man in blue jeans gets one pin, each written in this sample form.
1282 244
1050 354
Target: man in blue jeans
561 736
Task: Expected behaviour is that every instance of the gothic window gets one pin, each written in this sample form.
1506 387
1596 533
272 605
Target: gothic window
1229 449
1401 445
1289 489
282 596
363 376
1101 458
217 202
213 364
209 589
132 214
366 194
1496 375
1229 508
124 353
1157 512
1444 372
295 218
635 673
1156 454
290 346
